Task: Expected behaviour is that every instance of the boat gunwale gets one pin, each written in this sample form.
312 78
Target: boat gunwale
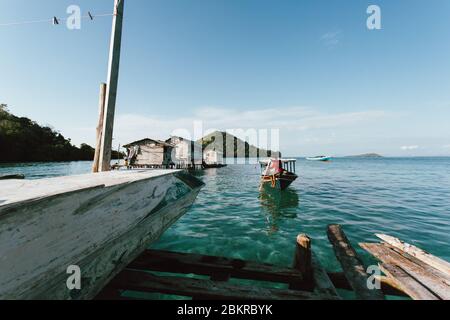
10 205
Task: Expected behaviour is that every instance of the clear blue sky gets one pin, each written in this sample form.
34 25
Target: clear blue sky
310 68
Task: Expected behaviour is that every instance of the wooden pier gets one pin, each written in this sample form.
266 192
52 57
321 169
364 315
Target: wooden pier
305 280
138 277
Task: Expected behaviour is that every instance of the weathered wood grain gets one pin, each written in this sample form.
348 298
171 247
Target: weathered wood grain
302 263
302 259
408 284
427 276
99 228
99 130
418 253
186 263
353 268
322 282
435 272
113 80
205 289
388 286
17 192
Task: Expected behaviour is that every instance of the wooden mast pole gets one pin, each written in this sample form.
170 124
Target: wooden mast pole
101 117
111 94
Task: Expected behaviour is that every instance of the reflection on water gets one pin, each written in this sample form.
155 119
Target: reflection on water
278 205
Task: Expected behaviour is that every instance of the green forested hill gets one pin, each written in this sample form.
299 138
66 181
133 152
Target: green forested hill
23 140
234 146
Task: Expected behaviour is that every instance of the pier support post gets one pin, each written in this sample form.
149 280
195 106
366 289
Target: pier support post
302 263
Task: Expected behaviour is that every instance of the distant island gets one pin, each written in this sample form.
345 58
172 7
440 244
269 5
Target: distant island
366 155
235 147
23 140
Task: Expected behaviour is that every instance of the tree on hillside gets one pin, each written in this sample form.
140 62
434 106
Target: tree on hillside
23 140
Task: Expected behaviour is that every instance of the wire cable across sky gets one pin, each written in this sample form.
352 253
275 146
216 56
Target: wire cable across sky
52 20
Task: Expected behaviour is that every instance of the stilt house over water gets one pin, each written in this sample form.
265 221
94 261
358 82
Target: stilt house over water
212 157
187 153
149 153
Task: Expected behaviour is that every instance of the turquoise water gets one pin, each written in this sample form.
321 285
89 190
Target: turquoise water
46 170
404 197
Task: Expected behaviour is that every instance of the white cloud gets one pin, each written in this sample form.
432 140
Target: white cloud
292 120
331 38
446 146
409 148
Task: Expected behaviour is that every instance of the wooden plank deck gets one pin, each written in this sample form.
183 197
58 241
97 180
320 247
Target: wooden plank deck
307 279
139 276
418 253
414 288
388 285
411 273
186 263
141 281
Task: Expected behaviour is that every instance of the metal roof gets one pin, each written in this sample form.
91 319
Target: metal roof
148 140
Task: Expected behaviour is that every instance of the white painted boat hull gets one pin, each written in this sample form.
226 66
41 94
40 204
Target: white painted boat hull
323 159
99 227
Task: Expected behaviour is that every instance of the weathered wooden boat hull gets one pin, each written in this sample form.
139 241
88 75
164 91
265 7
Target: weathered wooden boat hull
98 227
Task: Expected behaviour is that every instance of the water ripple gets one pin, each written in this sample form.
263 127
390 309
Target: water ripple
407 198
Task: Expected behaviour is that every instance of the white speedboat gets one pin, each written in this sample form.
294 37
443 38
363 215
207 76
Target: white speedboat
319 158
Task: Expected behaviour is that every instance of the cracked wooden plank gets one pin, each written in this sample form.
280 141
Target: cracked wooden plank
408 284
418 253
425 275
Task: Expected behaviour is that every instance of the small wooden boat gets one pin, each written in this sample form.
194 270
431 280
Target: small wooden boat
213 166
319 158
12 177
278 173
97 222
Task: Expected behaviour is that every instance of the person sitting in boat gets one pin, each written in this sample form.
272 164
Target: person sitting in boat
274 167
